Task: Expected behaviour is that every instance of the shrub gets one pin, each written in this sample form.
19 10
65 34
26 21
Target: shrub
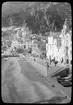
20 50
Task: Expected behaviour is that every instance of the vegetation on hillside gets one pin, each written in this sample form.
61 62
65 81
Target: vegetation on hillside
38 19
41 16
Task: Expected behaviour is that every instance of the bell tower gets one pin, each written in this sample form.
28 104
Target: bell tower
64 30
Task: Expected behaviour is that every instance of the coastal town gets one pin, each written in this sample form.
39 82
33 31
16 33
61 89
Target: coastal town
34 66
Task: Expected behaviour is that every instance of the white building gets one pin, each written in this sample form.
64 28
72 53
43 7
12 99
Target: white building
69 45
66 43
65 50
55 50
49 47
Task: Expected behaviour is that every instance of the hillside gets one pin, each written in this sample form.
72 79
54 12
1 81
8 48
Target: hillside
40 17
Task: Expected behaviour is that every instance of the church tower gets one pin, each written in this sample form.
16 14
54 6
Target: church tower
65 26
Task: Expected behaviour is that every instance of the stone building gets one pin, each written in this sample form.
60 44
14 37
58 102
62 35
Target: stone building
35 49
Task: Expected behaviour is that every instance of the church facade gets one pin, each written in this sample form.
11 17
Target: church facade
62 51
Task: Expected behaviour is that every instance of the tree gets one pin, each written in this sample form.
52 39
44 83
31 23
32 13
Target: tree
42 14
